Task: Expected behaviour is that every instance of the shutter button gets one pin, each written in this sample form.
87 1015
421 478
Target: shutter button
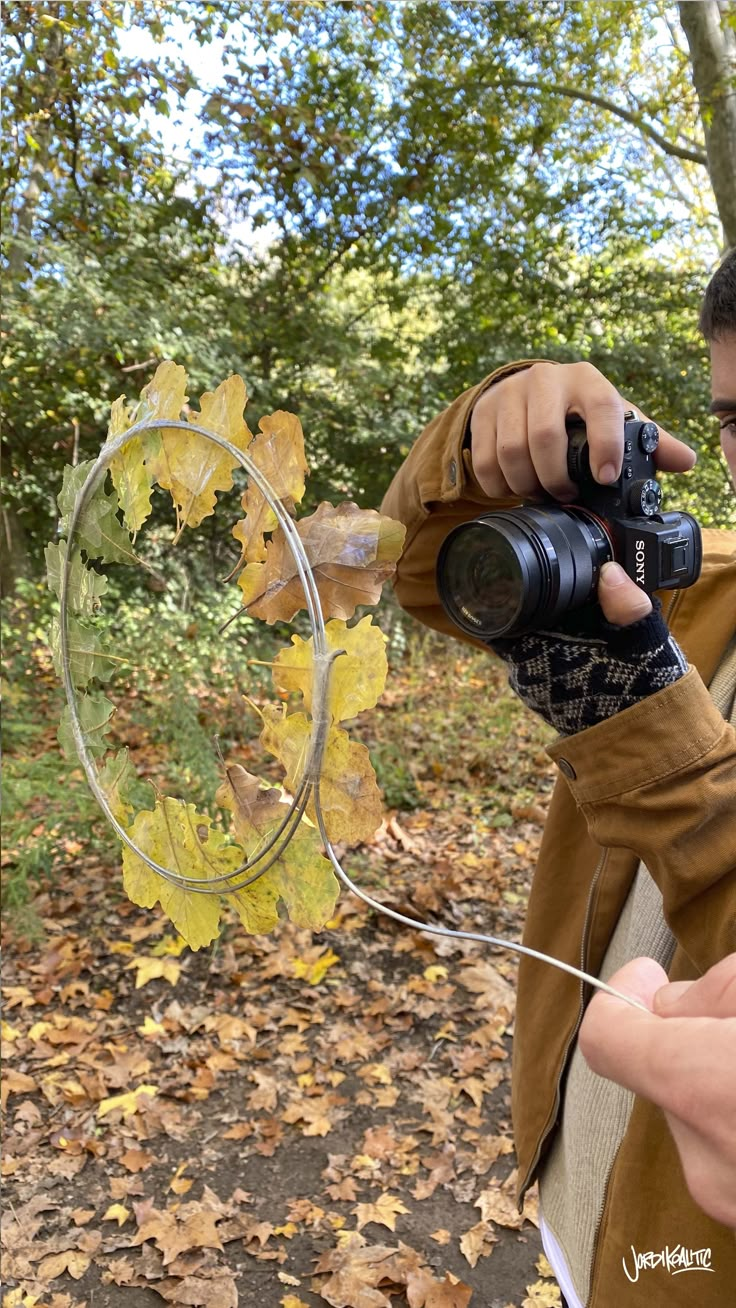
566 769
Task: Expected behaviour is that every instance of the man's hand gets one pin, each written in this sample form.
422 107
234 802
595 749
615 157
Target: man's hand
518 437
682 1057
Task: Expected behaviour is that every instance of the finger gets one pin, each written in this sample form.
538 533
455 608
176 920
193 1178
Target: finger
622 601
672 455
601 407
548 441
712 995
483 453
512 446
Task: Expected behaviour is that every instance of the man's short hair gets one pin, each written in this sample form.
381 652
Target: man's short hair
718 312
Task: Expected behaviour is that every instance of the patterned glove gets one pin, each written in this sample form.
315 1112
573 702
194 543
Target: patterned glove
590 669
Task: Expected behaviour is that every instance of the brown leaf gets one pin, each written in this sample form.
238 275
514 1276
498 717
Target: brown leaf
352 552
383 1212
477 1243
423 1291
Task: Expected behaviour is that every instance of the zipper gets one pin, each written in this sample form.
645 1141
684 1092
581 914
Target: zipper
573 1035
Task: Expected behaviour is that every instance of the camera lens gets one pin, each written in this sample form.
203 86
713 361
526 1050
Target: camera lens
511 571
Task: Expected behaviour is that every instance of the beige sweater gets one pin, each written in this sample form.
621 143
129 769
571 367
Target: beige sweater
596 1111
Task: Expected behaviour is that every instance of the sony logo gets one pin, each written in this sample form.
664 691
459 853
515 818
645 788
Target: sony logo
639 562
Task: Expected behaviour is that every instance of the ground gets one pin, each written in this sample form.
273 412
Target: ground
294 1119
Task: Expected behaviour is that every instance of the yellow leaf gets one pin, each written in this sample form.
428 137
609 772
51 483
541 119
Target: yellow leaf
477 1243
278 452
302 876
436 973
383 1212
351 551
131 476
116 1213
180 1183
357 676
194 468
169 947
291 1301
10 1033
150 969
349 795
150 1027
542 1294
129 1103
176 836
314 972
288 1230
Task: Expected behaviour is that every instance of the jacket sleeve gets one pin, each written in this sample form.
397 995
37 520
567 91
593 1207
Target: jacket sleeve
660 779
433 491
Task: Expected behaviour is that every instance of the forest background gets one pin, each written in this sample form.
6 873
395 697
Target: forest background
362 208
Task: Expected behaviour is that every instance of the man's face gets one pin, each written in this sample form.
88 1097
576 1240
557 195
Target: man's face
723 388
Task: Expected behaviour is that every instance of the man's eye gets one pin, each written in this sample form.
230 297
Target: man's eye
729 425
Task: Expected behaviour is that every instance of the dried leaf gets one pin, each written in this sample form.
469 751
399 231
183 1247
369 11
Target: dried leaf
383 1212
351 551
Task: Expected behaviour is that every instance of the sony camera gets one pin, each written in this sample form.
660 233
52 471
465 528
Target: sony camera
516 570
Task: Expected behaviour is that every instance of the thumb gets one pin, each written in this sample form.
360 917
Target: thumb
712 995
620 598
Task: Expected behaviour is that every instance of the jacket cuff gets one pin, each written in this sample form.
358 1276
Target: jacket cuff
661 735
458 479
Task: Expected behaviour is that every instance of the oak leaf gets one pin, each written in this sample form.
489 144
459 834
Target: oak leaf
278 452
356 677
85 587
131 476
351 552
301 876
175 835
348 792
194 468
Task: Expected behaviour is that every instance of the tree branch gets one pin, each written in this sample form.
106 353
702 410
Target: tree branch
577 93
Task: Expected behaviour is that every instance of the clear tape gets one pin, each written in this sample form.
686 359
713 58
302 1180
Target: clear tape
308 784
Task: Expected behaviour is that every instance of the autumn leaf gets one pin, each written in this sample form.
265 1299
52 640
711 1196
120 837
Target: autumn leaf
116 1213
542 1294
131 476
115 778
357 676
87 659
151 969
423 1291
477 1243
194 468
175 835
348 792
351 551
278 452
128 1104
313 972
383 1212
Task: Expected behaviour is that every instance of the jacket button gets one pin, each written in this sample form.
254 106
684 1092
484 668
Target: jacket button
566 769
453 472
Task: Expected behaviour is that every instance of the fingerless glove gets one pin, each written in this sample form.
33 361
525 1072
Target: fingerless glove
587 672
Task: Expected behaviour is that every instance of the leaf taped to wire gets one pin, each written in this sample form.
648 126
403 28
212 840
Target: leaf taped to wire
268 858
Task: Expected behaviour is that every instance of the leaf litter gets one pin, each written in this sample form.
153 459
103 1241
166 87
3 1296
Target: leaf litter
247 1126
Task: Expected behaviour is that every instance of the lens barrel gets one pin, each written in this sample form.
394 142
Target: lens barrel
509 572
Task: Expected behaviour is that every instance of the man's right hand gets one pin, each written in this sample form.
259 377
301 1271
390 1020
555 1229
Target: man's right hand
519 441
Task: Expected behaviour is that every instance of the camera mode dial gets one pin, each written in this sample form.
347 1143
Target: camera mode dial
649 437
645 497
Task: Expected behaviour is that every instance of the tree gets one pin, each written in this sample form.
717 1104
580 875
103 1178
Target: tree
710 28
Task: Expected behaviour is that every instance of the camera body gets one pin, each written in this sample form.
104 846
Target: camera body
515 570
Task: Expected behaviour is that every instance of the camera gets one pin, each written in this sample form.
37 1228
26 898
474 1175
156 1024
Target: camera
516 570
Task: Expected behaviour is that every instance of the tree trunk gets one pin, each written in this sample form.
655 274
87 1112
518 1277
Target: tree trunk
46 86
713 55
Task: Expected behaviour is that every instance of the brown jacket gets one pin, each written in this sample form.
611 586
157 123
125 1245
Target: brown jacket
656 782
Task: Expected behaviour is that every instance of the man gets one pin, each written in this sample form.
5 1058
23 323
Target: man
638 856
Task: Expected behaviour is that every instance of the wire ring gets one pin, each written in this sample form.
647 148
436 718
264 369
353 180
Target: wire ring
323 658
